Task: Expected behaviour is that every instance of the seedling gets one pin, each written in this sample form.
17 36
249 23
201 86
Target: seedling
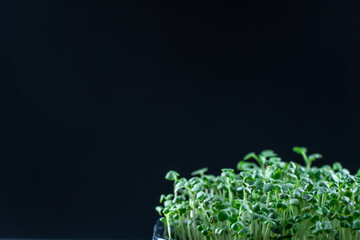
271 200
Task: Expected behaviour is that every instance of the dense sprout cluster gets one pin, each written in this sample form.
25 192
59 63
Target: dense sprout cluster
268 200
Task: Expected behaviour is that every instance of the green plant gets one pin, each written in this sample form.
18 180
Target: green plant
269 200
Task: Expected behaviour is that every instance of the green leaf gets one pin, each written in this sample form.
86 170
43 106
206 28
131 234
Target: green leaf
288 226
294 201
257 217
356 213
256 207
169 196
276 174
292 165
277 187
200 195
345 224
292 175
261 160
281 165
314 156
219 231
246 166
314 218
204 232
300 150
276 229
273 215
350 179
333 202
356 224
159 210
345 199
223 215
243 232
322 190
179 185
259 184
323 184
245 207
199 172
281 206
268 187
284 196
162 198
347 211
171 175
236 226
250 155
334 178
337 166
297 192
197 187
287 186
307 197
245 174
268 153
274 160
318 228
284 237
247 190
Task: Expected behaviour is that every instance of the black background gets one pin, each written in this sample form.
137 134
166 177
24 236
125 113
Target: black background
99 99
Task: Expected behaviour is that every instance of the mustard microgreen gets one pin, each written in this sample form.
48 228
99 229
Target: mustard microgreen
266 199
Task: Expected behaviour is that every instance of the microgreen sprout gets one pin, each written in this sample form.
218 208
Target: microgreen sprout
264 200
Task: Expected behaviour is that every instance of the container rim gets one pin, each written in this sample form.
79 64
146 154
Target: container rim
158 230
